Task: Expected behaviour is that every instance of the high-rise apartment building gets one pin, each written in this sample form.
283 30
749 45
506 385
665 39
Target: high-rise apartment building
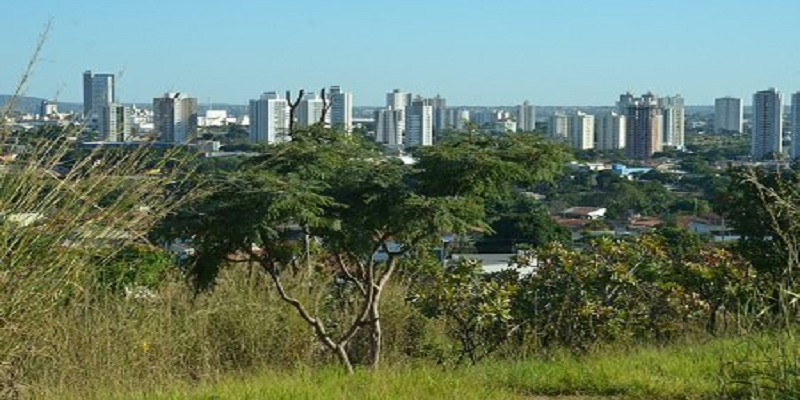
398 100
98 92
388 122
643 123
728 115
439 109
673 118
419 124
581 131
457 119
795 153
767 121
309 111
115 123
341 109
175 117
609 129
558 126
526 117
624 101
269 118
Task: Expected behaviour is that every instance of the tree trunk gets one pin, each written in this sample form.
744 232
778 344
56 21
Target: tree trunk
375 332
341 353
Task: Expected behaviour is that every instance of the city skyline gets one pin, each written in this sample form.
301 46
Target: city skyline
499 53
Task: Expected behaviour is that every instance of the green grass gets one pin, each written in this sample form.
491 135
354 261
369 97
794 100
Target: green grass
682 371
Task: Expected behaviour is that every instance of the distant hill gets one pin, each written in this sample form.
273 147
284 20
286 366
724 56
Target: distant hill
31 104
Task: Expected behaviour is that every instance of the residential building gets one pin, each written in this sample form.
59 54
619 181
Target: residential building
269 118
558 126
341 109
98 92
398 100
175 117
526 117
439 109
457 119
767 124
419 124
310 110
624 101
388 127
508 125
728 113
609 129
673 120
115 123
581 131
643 123
48 109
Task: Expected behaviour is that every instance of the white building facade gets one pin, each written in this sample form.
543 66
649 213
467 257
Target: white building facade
609 131
310 110
269 118
558 126
673 119
581 131
388 127
526 117
115 123
419 124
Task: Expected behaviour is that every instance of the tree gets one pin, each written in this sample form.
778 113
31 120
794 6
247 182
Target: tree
476 308
520 220
764 209
329 209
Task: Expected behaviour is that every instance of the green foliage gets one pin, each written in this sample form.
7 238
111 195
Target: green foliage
476 308
619 290
520 220
762 206
134 266
620 196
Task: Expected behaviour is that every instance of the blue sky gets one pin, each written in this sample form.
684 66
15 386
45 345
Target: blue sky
558 52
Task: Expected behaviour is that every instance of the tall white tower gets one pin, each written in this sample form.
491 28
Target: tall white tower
419 124
269 118
309 111
581 131
609 129
526 117
387 127
673 118
558 126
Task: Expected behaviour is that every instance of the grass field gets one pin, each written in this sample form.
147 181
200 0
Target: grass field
681 371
